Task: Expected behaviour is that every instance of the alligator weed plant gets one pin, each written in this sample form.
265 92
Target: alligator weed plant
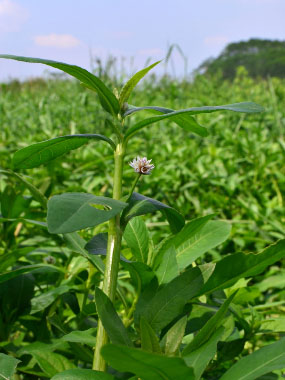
180 317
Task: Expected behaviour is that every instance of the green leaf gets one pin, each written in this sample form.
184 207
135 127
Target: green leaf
149 340
260 362
107 98
77 244
273 325
82 374
44 300
27 269
145 365
136 236
233 267
9 258
75 211
83 337
168 268
50 362
187 122
110 319
98 244
33 190
209 236
188 232
141 205
141 274
209 328
168 302
246 107
131 83
200 358
40 153
8 366
173 338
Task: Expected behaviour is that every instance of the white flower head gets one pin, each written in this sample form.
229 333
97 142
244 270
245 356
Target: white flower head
142 165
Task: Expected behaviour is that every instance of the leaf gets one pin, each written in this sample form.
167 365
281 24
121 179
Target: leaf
40 153
9 258
260 362
83 337
141 274
27 269
132 82
246 107
273 325
233 267
209 328
187 232
110 319
141 205
77 244
82 374
173 338
50 363
168 268
185 121
8 366
44 300
209 236
137 238
149 340
98 244
71 212
107 98
145 365
38 196
168 302
200 358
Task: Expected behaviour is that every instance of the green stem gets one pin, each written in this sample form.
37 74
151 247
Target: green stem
112 259
133 186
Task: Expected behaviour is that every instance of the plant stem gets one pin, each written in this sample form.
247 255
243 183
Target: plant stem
133 186
112 258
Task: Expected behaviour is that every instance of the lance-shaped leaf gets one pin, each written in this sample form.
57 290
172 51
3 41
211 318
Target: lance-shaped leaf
82 374
110 319
146 365
149 339
107 99
233 267
98 245
189 231
8 366
185 121
245 107
131 83
137 238
34 191
260 362
45 151
209 328
168 302
140 205
74 211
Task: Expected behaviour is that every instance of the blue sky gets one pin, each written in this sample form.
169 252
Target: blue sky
72 30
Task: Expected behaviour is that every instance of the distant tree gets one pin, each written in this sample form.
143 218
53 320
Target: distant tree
260 58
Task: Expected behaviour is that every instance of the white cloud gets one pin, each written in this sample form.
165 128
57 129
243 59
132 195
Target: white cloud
64 41
12 16
216 41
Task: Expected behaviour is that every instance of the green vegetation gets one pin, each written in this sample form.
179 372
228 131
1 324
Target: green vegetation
261 58
189 321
